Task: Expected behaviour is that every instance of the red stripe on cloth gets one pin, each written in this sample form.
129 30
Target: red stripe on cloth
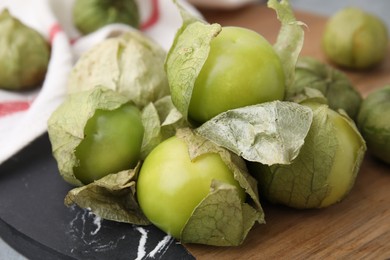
10 107
54 29
154 16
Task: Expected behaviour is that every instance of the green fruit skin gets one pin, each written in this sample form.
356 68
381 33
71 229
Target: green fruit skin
242 69
24 55
374 122
90 15
170 185
112 143
355 39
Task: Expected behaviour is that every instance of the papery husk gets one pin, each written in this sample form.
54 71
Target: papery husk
331 82
131 64
221 218
66 125
314 178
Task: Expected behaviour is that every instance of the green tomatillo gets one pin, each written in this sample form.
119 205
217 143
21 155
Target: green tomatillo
324 171
196 192
331 82
212 68
242 69
119 130
131 64
355 39
374 122
95 133
90 15
24 54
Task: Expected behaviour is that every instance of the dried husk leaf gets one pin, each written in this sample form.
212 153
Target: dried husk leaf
269 133
236 217
290 38
131 64
331 82
221 219
305 182
111 197
185 59
160 119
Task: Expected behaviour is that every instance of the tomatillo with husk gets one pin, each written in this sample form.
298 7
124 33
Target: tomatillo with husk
212 69
24 54
241 69
130 63
91 15
374 122
95 133
112 142
197 192
333 83
326 168
355 39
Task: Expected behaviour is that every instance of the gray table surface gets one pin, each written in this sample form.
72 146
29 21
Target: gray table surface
378 7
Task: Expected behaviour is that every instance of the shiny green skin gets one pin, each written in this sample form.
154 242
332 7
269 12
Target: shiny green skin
90 15
355 39
112 143
170 185
24 54
242 69
374 122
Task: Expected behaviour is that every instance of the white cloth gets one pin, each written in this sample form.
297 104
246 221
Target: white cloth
23 116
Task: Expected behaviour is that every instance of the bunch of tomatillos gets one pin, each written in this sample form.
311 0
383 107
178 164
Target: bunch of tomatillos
190 140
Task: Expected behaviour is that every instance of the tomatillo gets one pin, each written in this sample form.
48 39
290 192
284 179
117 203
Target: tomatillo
355 39
24 54
326 168
242 68
171 185
112 143
374 122
91 15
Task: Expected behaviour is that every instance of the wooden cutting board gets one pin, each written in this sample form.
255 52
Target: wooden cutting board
356 228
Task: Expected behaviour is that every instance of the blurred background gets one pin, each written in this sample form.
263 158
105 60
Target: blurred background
378 7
